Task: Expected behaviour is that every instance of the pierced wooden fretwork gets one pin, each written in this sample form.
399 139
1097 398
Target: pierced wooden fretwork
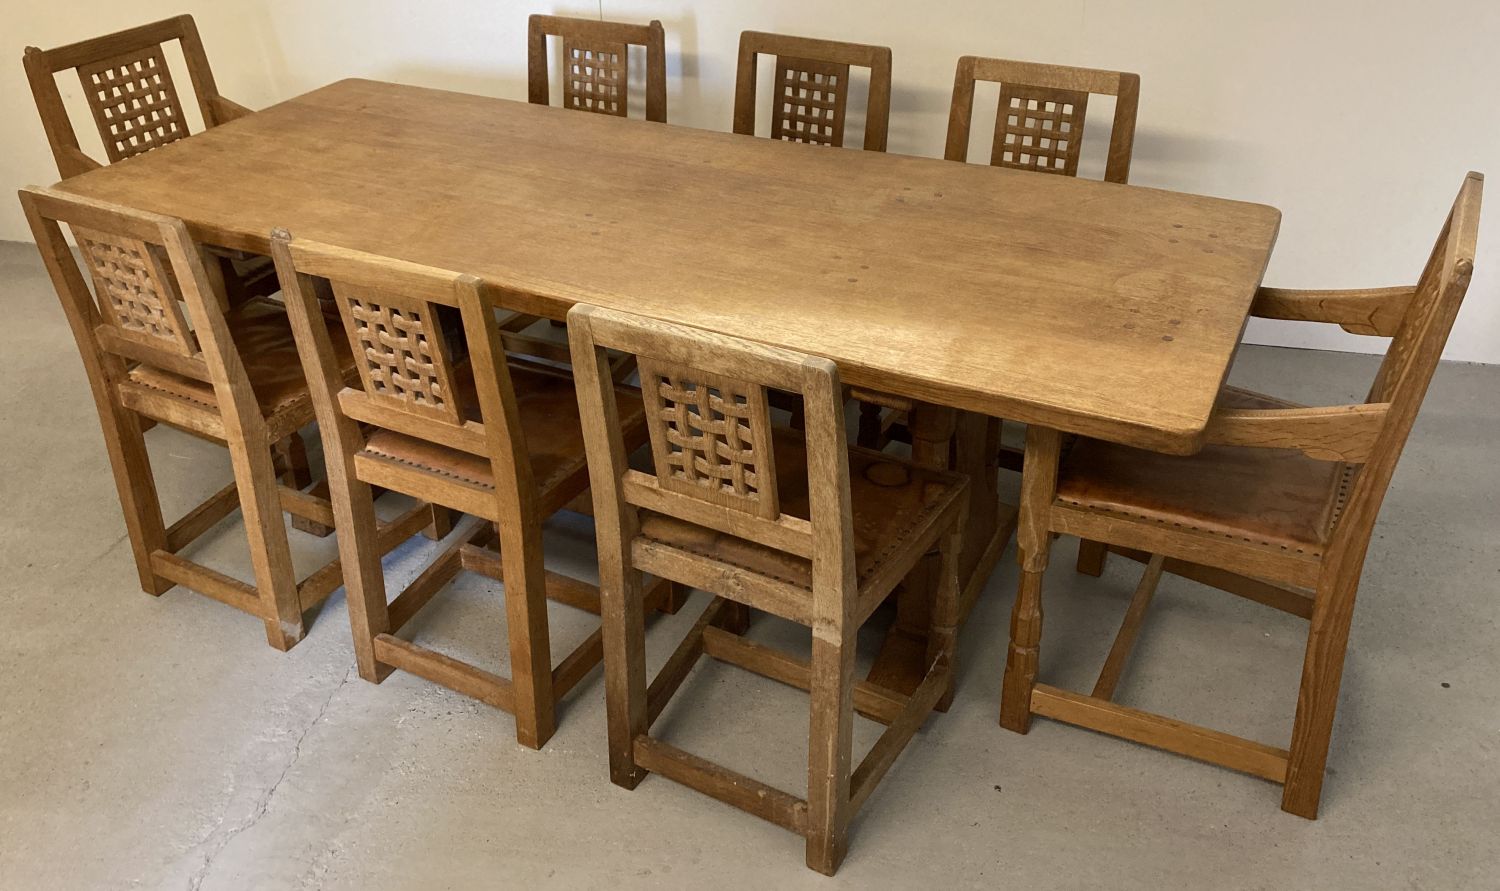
710 437
399 349
810 100
1039 128
134 102
134 290
595 77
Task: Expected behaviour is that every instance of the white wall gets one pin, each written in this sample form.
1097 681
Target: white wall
1356 119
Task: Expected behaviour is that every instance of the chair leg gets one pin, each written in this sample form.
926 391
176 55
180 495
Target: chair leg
942 639
364 579
830 748
443 519
297 473
131 465
1317 699
1091 557
869 426
526 616
676 599
735 618
623 621
271 556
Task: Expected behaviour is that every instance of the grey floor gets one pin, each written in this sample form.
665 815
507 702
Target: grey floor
160 743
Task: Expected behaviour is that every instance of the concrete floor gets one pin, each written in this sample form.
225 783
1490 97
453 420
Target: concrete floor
160 743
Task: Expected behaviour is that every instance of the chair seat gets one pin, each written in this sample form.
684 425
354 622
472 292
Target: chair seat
894 502
548 405
1275 498
262 334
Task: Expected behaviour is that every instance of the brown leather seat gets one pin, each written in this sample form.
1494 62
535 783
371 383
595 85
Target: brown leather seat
548 404
262 334
1273 497
892 501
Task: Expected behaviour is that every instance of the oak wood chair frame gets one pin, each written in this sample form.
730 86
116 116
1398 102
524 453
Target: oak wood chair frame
1365 439
600 53
146 268
732 376
1040 120
811 88
414 391
137 107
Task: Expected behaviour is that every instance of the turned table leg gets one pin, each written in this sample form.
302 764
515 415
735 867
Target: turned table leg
1033 542
943 438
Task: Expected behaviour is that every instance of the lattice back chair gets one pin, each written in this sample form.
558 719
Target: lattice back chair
1279 507
596 64
439 411
158 345
137 107
1040 120
797 525
810 93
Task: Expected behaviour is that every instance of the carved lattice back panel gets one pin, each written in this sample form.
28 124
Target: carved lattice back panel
710 437
595 76
133 101
809 101
1039 128
400 350
135 290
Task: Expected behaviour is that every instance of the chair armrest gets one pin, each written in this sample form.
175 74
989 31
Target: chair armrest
226 110
1373 311
1335 433
71 161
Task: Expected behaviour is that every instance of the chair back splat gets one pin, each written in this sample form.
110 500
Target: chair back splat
596 64
1040 120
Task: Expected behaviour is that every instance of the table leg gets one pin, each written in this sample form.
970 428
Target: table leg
1033 542
932 429
943 437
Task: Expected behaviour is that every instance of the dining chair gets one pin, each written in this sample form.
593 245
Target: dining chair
158 343
137 107
795 524
596 64
440 411
1278 507
1040 119
810 88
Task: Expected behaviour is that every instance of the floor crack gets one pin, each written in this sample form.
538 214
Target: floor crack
263 805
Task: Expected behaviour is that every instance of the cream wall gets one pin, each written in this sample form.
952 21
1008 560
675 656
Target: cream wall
1357 119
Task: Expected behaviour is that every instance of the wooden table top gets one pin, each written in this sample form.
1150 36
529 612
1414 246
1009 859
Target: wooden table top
1090 307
